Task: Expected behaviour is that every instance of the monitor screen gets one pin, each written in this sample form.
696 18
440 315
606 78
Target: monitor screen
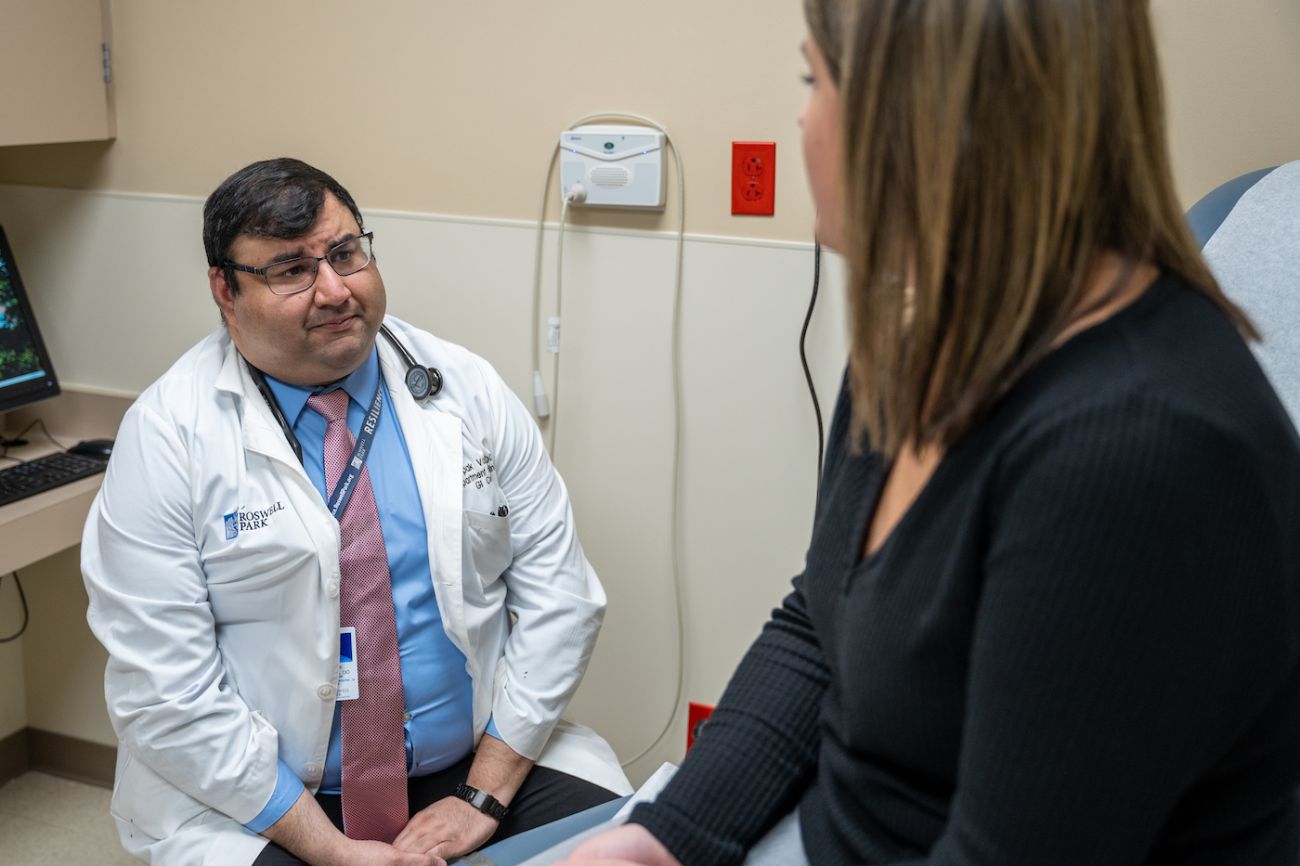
25 371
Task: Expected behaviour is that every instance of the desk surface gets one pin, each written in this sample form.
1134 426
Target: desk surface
42 525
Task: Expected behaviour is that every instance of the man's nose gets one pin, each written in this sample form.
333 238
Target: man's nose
329 287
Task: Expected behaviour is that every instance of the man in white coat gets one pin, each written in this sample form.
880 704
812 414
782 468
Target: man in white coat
244 681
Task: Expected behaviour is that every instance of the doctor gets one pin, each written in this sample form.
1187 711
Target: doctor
344 608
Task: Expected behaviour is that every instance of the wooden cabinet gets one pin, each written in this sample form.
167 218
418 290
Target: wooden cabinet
52 71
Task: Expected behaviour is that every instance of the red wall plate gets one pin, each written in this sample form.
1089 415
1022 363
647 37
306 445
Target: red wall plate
753 178
695 716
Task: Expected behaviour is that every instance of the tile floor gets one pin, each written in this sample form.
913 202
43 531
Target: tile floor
45 820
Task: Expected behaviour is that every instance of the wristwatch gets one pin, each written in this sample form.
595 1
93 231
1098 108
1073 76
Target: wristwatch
482 800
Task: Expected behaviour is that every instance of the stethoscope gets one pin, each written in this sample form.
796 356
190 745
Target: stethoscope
422 382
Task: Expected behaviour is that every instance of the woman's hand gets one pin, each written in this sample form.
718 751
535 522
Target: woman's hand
629 845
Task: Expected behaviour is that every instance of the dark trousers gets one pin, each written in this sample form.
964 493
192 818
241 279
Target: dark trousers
547 795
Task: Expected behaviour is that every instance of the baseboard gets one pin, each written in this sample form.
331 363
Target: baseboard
69 757
13 756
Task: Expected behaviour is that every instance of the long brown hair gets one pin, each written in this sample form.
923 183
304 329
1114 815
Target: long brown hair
993 150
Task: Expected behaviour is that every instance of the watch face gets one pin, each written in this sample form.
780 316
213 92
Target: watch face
417 382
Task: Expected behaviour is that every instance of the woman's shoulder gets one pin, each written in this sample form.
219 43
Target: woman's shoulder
1170 363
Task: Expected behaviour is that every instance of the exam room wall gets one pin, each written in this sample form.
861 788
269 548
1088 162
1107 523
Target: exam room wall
197 96
749 444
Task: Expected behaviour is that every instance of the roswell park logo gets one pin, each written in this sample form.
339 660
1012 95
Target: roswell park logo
246 521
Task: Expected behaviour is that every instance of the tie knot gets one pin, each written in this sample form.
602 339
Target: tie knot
332 405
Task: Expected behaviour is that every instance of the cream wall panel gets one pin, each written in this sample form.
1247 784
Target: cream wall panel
118 283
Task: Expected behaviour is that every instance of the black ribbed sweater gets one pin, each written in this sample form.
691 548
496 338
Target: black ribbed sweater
1080 645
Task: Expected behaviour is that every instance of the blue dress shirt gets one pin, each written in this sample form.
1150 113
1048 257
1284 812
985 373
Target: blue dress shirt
439 691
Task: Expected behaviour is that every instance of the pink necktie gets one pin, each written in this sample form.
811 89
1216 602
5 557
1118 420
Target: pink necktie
374 739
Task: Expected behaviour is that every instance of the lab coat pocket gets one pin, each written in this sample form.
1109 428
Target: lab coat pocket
148 803
489 545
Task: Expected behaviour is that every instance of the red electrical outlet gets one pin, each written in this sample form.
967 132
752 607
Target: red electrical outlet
753 178
695 716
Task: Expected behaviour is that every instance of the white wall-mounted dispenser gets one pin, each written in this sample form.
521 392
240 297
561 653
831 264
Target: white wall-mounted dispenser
608 165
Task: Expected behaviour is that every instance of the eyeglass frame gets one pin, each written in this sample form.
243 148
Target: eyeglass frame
262 271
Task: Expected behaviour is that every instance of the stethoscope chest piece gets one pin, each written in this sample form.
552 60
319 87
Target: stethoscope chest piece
423 382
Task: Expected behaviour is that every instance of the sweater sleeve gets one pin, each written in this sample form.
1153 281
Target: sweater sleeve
1131 625
755 754
758 751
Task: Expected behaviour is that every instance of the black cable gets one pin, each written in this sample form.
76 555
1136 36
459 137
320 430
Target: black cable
22 597
19 440
6 444
40 422
803 356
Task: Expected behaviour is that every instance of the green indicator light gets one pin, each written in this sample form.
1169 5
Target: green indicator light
609 145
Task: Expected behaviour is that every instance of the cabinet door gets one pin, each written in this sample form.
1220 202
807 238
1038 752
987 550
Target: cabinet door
52 71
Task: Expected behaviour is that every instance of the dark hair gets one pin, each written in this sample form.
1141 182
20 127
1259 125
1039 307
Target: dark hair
274 198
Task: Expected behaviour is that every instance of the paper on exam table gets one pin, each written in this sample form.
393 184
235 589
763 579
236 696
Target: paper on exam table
644 794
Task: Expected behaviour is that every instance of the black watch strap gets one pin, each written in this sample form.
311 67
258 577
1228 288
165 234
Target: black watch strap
482 800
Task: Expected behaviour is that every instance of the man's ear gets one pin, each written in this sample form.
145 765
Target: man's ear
222 292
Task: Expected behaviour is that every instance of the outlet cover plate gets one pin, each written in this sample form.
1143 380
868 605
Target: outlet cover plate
753 178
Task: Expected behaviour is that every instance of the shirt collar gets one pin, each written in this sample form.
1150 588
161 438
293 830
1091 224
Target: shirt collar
360 385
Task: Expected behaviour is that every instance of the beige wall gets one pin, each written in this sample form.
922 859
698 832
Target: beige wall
1232 75
453 108
13 708
436 106
62 662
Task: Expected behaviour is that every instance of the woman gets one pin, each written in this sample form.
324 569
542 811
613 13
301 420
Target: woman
1050 613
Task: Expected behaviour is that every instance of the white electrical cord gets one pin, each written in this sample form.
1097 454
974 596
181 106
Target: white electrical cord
539 392
540 405
556 322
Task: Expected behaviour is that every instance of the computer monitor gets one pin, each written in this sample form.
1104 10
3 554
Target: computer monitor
26 374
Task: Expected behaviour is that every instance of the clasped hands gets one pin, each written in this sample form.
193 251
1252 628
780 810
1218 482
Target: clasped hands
451 827
446 829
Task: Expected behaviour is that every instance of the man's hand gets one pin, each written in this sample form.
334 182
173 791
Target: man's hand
379 854
451 827
305 832
629 845
448 828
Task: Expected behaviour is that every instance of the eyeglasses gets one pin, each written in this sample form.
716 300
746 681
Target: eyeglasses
298 275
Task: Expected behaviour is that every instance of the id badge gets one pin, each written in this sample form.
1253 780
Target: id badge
349 688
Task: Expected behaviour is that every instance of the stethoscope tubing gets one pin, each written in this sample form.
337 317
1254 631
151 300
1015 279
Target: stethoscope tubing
422 382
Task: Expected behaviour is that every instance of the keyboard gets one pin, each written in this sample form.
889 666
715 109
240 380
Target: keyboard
45 473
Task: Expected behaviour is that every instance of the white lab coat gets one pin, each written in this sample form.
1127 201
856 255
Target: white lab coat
223 651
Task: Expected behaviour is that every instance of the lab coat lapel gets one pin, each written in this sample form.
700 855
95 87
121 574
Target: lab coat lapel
433 439
262 435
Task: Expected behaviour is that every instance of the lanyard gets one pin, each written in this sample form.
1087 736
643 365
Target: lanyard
347 481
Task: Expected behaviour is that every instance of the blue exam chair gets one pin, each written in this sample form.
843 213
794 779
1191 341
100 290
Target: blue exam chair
1249 229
